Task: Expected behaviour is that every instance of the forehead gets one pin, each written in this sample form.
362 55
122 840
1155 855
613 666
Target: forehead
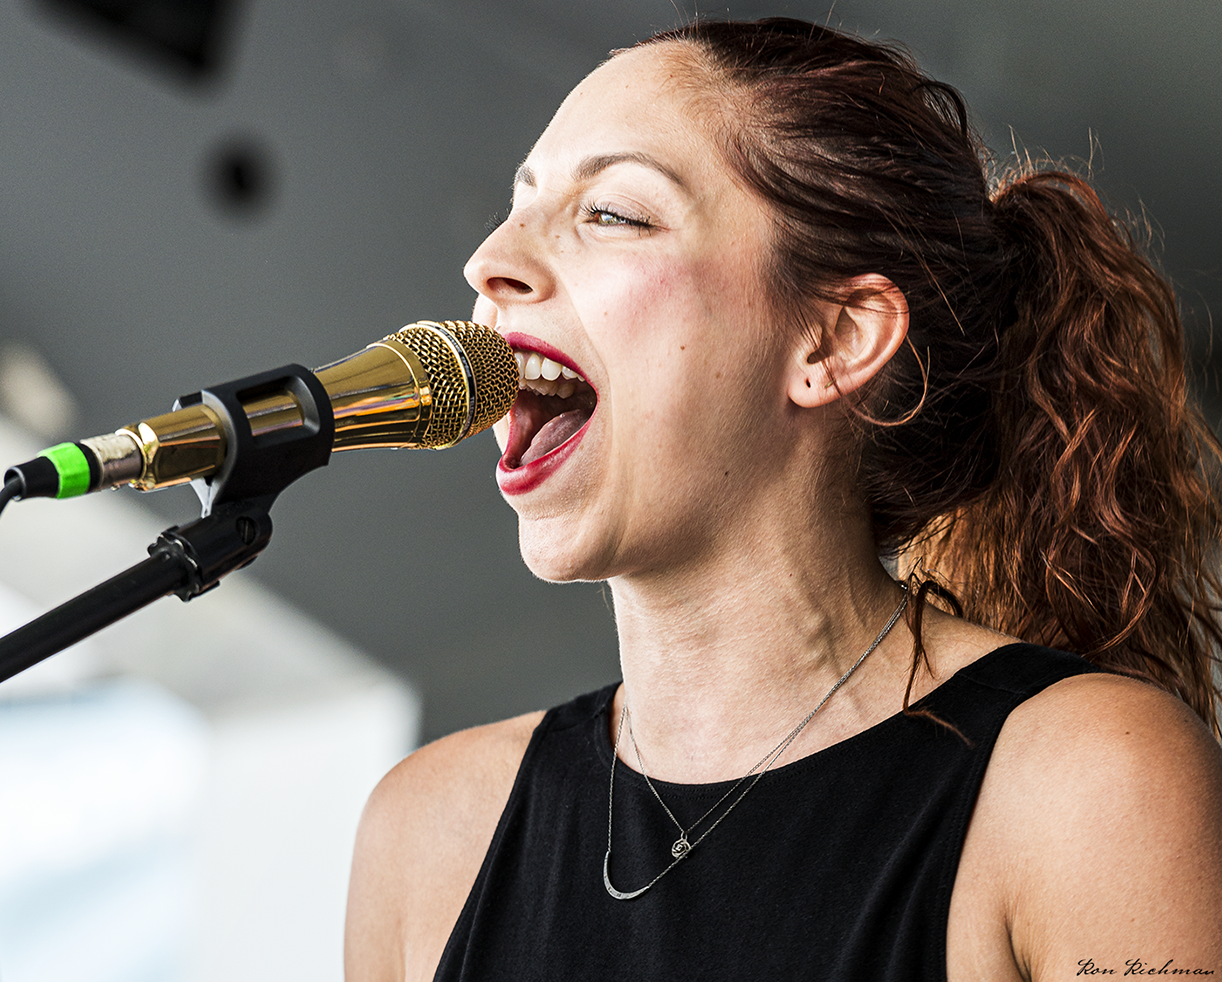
640 101
645 74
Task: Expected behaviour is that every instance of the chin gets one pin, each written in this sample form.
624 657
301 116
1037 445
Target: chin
556 554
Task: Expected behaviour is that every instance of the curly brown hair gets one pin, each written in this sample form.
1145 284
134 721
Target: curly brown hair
1034 443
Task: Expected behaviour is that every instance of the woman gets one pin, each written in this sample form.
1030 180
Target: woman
776 322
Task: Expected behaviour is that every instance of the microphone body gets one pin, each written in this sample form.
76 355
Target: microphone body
428 385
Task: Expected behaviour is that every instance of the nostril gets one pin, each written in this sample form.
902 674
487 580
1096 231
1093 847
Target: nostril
519 287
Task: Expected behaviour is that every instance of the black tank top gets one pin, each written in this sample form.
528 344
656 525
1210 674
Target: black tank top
838 866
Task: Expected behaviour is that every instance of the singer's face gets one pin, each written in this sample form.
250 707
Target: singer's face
634 257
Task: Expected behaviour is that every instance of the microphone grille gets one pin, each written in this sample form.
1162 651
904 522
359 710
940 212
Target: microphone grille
470 397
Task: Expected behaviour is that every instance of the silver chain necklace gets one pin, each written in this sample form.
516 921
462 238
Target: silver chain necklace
682 846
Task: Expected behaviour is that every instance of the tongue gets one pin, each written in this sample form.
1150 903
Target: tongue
553 433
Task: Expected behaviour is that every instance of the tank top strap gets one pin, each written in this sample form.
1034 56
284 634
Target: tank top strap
980 697
1025 669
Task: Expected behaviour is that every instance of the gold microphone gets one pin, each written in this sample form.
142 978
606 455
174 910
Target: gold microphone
427 386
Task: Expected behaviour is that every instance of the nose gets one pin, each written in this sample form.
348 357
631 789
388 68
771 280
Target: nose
506 268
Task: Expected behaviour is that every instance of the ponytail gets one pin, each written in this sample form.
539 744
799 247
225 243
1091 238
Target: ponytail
1100 532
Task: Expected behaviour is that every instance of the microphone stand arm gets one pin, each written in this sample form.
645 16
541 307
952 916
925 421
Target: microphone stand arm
186 560
235 526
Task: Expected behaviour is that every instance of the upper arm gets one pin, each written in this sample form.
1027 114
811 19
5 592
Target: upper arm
419 846
1114 793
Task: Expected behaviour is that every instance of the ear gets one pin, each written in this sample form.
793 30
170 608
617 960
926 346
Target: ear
858 337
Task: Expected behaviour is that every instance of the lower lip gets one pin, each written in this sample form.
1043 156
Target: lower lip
519 480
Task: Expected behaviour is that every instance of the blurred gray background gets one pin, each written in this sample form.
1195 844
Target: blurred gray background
194 191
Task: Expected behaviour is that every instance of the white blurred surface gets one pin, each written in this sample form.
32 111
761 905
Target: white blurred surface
99 876
178 793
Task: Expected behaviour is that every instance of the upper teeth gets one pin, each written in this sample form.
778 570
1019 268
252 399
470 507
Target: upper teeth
534 365
543 373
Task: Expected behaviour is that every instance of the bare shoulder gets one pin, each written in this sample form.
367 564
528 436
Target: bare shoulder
460 773
1089 731
1104 801
422 838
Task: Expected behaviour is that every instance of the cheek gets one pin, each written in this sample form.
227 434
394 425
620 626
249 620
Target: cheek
686 320
638 303
700 357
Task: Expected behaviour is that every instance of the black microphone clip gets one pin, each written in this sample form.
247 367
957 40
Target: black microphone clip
261 466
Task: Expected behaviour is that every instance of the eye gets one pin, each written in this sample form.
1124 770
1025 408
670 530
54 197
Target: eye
605 217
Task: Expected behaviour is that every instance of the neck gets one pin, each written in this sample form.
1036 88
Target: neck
721 660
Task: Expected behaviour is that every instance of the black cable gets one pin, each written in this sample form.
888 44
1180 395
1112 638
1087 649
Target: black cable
12 489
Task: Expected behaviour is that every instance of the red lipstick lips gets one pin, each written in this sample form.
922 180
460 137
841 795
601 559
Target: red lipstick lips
540 419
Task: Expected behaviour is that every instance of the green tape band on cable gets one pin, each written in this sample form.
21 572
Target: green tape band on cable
73 468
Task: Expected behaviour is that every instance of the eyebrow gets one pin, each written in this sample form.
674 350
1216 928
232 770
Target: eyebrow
595 165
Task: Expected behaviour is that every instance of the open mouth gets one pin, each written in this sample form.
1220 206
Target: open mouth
554 402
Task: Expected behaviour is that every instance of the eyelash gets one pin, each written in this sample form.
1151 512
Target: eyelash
592 214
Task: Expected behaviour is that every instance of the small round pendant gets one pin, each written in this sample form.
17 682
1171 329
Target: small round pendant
681 847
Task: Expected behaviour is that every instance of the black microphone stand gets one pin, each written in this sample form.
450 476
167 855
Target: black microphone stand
234 526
